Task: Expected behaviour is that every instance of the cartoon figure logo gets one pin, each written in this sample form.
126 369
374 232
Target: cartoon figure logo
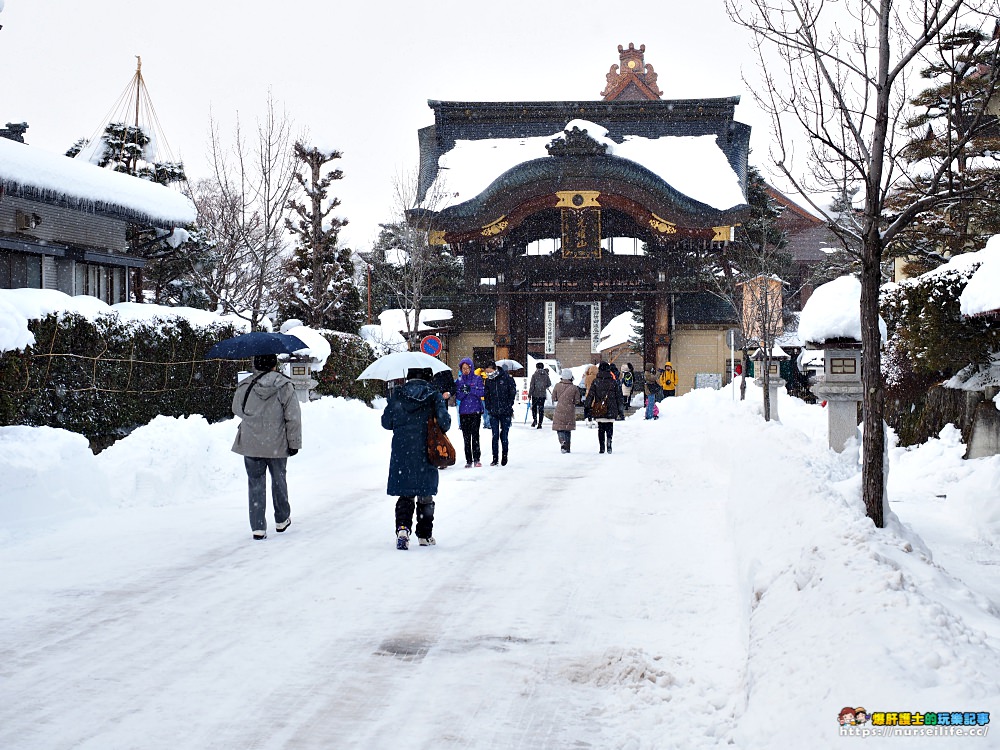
846 716
860 715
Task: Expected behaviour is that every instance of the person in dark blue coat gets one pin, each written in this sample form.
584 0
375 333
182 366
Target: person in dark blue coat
411 475
501 392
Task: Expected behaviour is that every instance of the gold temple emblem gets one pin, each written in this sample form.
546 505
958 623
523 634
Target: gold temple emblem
662 226
435 238
495 227
578 199
722 234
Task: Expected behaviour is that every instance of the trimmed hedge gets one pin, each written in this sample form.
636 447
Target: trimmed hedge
103 378
349 356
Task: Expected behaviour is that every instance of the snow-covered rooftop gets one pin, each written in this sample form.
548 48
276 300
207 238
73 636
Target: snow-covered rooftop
57 177
396 319
693 165
617 332
982 293
833 311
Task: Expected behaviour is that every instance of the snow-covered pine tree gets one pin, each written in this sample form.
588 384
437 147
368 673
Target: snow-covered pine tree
953 110
165 279
318 287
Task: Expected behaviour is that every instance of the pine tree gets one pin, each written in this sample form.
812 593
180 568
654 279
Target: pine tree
128 149
319 286
963 77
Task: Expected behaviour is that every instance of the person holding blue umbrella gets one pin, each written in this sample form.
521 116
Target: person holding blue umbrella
270 432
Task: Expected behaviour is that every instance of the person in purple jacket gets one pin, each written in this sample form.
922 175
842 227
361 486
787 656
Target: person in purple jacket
469 393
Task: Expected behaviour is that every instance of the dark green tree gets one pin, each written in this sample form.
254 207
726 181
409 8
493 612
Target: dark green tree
952 110
318 287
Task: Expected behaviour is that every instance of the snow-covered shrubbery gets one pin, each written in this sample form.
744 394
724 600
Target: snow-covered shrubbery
103 377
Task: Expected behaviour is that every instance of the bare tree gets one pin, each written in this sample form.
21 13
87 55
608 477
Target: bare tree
840 80
246 204
406 267
748 274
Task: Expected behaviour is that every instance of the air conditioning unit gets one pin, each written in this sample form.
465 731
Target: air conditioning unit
25 221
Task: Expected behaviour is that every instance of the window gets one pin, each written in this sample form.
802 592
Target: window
843 366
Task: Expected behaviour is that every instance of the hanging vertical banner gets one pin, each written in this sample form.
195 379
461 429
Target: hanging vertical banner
595 326
550 328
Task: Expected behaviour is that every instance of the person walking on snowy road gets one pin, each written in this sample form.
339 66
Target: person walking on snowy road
469 392
565 396
411 475
501 392
537 390
270 432
602 398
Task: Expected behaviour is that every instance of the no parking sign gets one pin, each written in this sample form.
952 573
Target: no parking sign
430 345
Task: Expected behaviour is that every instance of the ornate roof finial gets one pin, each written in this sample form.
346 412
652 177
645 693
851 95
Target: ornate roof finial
635 80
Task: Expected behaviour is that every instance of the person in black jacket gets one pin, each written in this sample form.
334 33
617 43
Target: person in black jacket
537 390
445 384
603 400
501 392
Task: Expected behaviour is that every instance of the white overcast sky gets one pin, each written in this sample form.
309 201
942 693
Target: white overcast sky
356 75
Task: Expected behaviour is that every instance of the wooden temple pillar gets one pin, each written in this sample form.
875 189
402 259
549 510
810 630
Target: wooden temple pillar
656 327
502 338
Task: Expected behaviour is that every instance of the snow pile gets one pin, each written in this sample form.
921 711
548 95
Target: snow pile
693 165
78 181
982 293
833 311
383 340
618 331
317 346
402 320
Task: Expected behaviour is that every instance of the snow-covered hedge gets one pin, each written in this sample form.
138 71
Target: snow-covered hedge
349 355
103 377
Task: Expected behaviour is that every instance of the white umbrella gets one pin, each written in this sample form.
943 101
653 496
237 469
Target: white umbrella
510 364
394 366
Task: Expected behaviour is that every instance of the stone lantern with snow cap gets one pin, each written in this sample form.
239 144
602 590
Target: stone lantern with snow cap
301 365
831 321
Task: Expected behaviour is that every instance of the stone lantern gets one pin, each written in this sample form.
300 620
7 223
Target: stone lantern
774 380
299 369
840 386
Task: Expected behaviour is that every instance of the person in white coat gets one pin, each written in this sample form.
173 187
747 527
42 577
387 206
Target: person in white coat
270 432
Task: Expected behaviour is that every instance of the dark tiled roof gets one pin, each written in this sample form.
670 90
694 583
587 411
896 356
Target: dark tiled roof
703 307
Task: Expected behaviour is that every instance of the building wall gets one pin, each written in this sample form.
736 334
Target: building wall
63 225
699 349
461 345
574 352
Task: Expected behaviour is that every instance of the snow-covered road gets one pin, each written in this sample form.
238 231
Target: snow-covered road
580 601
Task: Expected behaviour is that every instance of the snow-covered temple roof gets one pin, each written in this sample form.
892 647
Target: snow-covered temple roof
39 175
693 165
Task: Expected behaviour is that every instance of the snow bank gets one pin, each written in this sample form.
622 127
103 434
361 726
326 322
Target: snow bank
982 293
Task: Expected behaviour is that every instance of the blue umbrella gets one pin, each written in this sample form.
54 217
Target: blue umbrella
257 342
